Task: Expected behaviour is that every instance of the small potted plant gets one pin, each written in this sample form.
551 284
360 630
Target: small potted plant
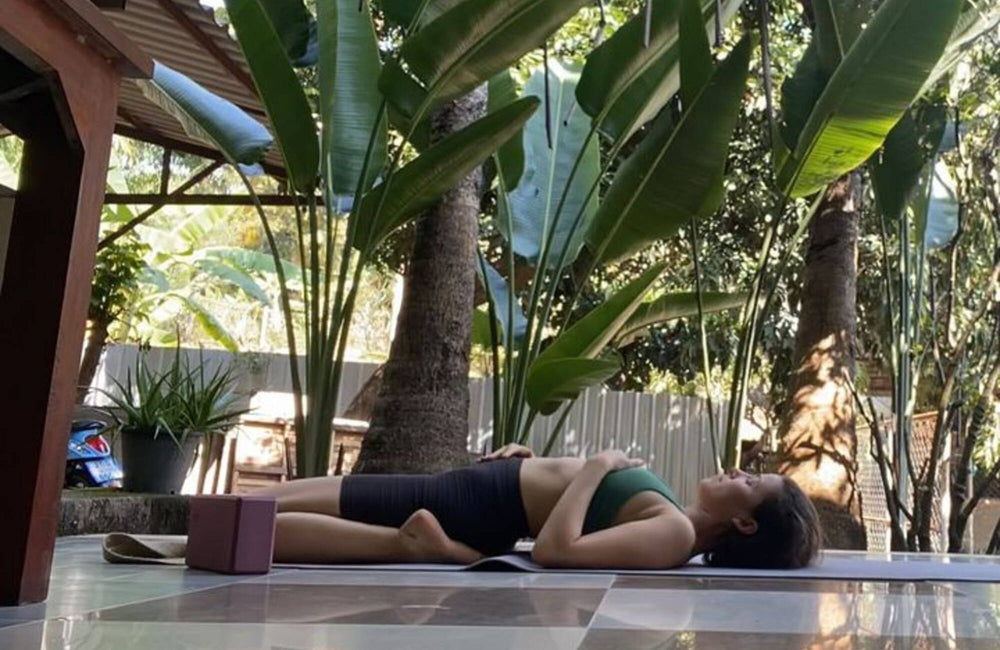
208 407
162 418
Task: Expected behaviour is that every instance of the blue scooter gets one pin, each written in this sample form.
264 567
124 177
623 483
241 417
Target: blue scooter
89 462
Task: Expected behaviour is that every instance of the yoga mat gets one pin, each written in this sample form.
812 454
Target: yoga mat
830 567
833 565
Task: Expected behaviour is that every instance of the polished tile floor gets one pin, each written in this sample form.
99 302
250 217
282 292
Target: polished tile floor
94 605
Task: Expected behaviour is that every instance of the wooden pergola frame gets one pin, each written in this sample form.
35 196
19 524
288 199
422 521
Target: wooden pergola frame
61 65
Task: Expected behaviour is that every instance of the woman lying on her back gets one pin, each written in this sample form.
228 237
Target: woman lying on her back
605 512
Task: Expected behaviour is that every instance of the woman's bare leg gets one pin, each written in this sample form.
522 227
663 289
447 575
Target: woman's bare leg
308 537
320 495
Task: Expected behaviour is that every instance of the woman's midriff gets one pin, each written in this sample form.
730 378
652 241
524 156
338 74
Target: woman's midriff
543 480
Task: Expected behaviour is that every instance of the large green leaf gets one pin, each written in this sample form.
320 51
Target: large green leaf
295 28
558 380
975 21
401 12
235 277
476 39
674 173
420 183
909 147
249 261
696 53
672 306
208 323
406 94
547 170
501 92
349 98
206 116
591 334
880 76
282 95
799 94
838 25
628 82
498 291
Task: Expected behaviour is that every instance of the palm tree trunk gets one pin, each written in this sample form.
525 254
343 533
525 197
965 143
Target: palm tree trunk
96 340
420 419
818 444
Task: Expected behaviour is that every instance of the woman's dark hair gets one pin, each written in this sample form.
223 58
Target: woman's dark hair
788 535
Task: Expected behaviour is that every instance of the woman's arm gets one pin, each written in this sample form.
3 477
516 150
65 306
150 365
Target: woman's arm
657 542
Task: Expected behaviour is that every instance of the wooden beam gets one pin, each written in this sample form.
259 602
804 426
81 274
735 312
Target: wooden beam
220 55
37 85
102 35
199 199
162 200
112 5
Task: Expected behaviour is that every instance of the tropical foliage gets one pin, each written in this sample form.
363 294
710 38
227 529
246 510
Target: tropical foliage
554 209
853 84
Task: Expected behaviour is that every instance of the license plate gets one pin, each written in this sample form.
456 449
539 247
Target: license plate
104 470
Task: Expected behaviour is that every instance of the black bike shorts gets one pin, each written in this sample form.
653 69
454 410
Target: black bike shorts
479 505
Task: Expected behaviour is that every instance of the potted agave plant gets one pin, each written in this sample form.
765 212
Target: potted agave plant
162 418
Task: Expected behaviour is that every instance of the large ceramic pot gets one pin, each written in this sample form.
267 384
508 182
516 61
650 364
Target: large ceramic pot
156 465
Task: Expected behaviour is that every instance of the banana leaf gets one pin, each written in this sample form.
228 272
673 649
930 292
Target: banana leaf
206 116
420 183
556 381
501 92
696 53
672 306
879 77
349 99
475 40
627 82
547 170
498 291
295 28
591 334
280 91
673 175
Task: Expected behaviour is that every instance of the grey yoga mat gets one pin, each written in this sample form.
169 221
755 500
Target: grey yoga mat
833 565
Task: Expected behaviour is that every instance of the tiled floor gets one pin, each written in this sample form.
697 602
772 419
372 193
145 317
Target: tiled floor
94 605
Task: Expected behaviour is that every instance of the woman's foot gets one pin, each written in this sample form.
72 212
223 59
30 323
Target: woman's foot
424 540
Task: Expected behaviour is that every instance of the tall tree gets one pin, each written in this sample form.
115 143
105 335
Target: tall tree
838 111
420 419
818 441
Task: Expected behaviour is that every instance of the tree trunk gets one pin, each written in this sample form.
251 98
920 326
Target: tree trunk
420 419
98 337
818 444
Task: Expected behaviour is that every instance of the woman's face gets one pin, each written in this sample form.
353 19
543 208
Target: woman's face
736 493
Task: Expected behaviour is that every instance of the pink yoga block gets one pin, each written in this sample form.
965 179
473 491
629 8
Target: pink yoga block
231 534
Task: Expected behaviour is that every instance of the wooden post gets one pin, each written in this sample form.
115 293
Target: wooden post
66 126
6 213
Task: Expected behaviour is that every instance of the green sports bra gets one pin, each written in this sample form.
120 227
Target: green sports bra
617 488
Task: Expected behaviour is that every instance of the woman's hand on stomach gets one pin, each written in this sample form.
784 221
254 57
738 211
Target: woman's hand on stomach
509 451
615 459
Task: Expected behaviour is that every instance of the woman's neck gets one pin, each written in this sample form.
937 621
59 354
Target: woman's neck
707 528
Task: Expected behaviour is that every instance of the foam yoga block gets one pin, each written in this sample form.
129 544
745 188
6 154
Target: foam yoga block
231 534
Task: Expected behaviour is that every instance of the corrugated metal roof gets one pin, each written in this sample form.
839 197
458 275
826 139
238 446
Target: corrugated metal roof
183 35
